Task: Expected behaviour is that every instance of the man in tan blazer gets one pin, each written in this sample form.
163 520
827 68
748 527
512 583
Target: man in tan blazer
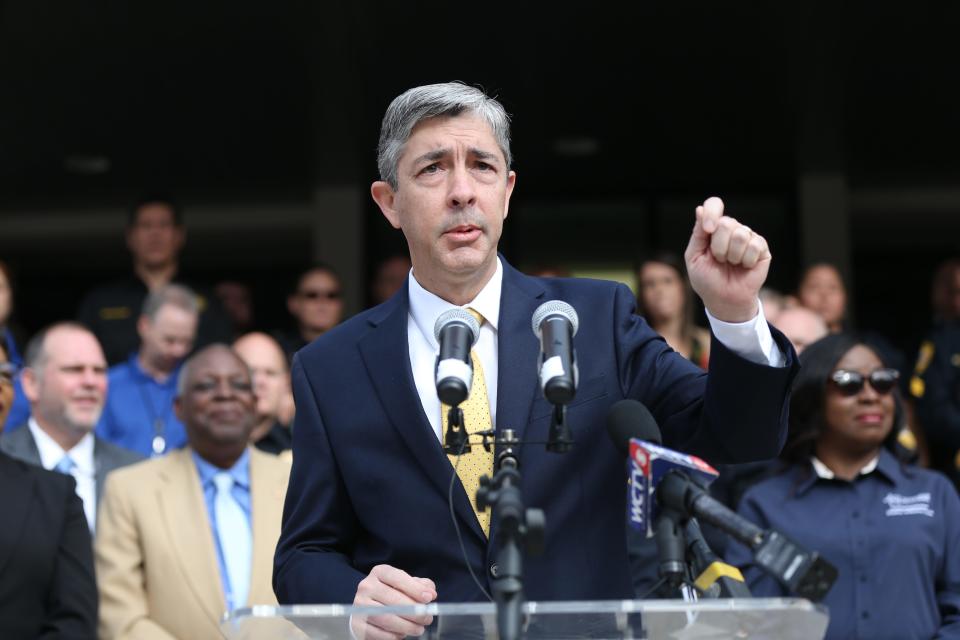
176 547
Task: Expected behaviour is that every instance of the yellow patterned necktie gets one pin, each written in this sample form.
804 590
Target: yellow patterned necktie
476 417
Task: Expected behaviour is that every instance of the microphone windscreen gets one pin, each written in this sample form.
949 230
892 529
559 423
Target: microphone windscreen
457 315
555 308
630 419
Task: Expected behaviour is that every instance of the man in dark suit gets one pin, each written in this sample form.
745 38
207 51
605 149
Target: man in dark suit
366 517
47 586
65 381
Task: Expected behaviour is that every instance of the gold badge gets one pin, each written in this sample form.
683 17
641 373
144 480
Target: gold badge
955 359
907 440
917 387
925 357
114 313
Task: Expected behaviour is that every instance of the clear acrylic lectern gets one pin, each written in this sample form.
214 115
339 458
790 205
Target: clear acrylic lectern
772 618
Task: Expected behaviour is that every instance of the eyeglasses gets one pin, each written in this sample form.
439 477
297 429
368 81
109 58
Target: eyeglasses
320 295
8 372
850 383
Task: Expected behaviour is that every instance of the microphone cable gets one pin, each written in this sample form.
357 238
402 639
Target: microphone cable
456 523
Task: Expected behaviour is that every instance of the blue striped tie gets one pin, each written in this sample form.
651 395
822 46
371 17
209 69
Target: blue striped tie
236 544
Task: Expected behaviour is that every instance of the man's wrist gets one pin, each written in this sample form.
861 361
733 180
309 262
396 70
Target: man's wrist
737 314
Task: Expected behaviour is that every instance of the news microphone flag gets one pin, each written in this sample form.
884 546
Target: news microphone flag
647 465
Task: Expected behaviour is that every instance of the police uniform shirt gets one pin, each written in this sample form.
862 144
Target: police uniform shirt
935 387
111 312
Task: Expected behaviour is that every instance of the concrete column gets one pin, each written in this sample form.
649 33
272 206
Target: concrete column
338 238
824 218
819 95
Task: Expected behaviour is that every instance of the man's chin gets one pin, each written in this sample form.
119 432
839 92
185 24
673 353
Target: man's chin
230 434
83 425
467 260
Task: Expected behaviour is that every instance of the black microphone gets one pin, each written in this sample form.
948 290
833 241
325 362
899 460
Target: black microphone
555 323
631 419
457 331
802 572
714 577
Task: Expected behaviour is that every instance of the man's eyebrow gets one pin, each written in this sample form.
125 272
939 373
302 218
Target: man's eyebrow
439 154
432 156
480 154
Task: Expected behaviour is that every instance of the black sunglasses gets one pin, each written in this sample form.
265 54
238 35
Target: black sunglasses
316 295
850 383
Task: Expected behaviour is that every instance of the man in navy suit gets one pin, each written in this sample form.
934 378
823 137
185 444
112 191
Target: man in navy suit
366 518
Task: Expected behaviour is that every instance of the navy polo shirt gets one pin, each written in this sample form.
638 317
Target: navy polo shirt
893 534
136 404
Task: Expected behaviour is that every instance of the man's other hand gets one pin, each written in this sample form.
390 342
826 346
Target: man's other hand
390 587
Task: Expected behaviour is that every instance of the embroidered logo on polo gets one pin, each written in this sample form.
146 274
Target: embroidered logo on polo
915 505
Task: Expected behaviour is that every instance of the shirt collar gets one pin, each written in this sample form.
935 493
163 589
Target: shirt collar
138 371
52 453
426 307
889 467
824 472
240 471
884 464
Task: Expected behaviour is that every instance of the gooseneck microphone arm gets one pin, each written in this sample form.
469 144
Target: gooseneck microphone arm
678 492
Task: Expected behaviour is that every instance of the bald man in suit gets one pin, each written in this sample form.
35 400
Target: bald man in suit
164 545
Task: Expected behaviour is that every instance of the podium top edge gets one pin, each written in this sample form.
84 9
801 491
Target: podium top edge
540 608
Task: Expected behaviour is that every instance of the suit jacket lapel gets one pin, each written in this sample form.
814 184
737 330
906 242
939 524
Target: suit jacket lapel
385 352
101 467
518 350
21 445
267 490
16 487
188 527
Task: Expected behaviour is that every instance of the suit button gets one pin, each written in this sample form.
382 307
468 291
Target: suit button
495 570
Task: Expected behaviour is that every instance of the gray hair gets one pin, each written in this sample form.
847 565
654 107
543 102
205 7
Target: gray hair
35 356
172 294
431 101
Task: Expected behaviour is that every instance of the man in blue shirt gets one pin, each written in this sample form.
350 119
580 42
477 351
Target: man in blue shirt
139 411
188 536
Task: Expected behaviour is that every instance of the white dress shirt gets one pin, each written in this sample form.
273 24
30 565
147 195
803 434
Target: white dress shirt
750 340
84 471
825 472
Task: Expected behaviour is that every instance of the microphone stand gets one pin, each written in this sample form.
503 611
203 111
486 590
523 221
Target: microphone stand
519 528
673 568
560 439
457 441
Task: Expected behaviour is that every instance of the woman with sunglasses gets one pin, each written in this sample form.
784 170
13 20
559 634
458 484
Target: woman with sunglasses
891 530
